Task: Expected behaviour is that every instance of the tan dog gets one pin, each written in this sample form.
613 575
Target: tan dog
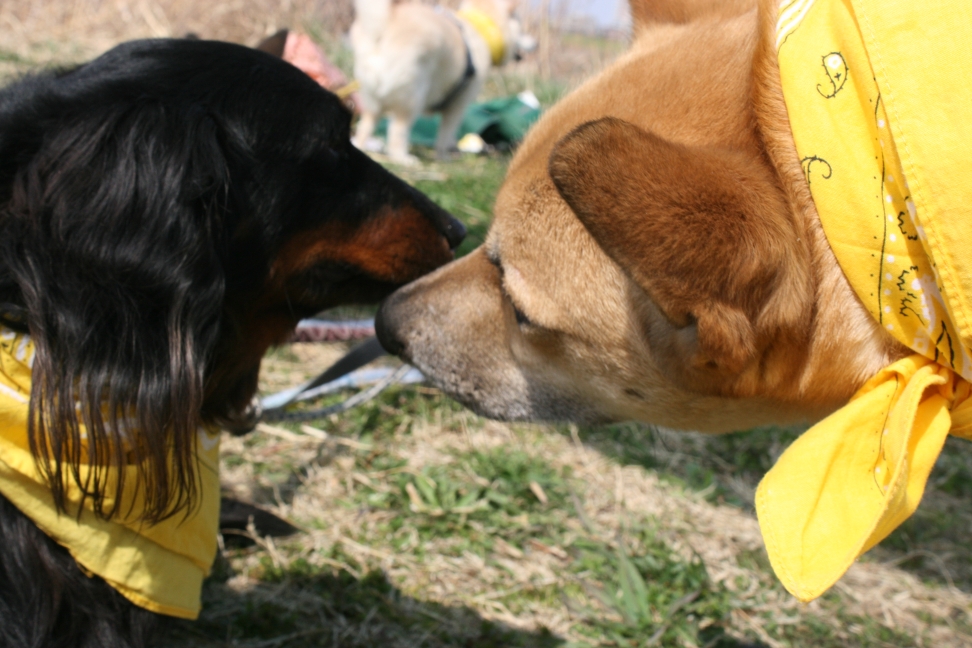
655 254
412 59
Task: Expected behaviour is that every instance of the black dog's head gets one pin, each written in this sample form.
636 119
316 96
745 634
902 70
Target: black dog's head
167 212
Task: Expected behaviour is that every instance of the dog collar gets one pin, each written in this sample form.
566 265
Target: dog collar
160 567
488 29
887 168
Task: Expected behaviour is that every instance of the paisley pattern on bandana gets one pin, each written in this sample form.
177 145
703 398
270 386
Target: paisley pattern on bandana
858 185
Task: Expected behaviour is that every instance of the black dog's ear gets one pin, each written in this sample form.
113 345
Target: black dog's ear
705 232
112 240
275 44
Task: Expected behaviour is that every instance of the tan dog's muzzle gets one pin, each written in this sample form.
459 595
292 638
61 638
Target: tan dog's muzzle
455 326
420 323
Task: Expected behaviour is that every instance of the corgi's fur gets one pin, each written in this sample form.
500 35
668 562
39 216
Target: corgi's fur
412 59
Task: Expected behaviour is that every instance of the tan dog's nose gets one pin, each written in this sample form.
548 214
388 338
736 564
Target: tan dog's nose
387 325
422 322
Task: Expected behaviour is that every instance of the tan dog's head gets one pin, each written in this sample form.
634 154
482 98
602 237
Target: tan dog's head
646 260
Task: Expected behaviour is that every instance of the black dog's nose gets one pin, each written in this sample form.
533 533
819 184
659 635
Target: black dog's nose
446 224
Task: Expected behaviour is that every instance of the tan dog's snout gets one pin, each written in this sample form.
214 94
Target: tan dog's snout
451 326
456 327
417 312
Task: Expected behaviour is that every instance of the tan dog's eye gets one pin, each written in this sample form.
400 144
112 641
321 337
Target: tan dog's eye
521 319
492 255
518 313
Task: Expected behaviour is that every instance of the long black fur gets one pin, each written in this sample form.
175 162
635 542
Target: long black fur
144 198
54 604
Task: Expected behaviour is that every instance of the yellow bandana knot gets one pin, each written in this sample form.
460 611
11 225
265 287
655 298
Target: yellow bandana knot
850 480
879 97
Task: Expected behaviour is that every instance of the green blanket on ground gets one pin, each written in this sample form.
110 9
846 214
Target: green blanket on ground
499 122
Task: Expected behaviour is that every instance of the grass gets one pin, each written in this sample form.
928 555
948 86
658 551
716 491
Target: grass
723 468
361 611
426 525
657 597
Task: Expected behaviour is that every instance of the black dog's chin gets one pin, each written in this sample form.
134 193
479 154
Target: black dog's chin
365 292
317 296
241 421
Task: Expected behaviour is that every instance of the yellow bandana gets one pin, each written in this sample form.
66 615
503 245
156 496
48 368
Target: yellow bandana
159 567
879 96
488 29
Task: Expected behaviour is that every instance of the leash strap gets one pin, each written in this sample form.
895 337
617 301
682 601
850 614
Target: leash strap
357 357
358 399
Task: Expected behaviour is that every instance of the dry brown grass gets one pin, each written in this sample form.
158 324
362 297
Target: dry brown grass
530 588
37 33
42 29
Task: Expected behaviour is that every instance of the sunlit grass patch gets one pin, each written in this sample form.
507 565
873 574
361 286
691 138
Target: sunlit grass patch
655 596
475 501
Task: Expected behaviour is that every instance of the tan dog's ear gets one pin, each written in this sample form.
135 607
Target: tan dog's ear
705 232
645 13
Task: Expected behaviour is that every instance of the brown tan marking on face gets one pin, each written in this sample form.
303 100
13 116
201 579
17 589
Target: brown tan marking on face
394 246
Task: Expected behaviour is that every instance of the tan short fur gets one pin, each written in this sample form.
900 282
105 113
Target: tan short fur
655 253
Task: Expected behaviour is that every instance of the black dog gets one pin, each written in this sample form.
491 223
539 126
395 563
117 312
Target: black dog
167 212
